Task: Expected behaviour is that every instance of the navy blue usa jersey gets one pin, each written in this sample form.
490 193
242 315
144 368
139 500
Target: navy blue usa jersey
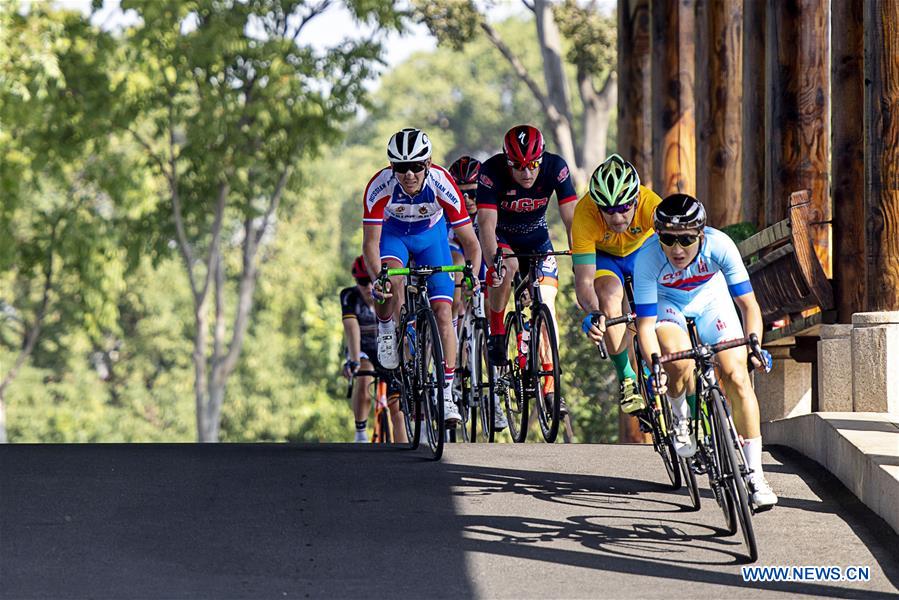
521 210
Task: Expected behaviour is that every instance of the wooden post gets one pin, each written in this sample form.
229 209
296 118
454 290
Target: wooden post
719 61
673 121
634 124
754 93
848 168
797 118
634 87
882 151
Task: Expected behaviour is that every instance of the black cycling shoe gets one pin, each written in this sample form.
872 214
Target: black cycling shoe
496 350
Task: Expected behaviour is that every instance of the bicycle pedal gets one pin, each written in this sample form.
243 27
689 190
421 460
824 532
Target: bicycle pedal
698 467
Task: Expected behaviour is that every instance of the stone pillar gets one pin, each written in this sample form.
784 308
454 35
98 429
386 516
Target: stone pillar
875 362
835 369
787 390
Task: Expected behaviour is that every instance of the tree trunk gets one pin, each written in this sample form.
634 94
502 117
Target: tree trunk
674 126
798 121
635 87
755 91
882 151
719 62
597 112
850 267
200 373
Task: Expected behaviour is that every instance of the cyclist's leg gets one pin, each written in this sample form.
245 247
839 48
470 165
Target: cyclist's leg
432 248
671 330
498 297
362 399
393 404
395 253
716 321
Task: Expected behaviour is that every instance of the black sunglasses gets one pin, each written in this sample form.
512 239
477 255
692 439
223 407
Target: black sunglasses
405 167
684 240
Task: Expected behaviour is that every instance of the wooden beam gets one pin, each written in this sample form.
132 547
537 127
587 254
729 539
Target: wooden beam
798 125
882 151
673 120
719 82
848 167
634 87
754 94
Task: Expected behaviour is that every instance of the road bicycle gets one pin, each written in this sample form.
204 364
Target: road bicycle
719 446
382 426
532 369
421 369
474 376
655 418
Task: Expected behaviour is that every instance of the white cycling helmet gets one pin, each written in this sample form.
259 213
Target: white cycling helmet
409 145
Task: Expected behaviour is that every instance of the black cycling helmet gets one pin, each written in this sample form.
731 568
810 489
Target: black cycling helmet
679 211
465 170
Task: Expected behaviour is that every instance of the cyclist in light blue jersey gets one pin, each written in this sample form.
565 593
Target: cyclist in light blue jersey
690 270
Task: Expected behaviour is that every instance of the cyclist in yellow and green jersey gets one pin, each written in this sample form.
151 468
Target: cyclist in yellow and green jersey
611 223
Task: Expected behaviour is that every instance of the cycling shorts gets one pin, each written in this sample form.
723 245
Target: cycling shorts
427 248
712 309
533 242
619 266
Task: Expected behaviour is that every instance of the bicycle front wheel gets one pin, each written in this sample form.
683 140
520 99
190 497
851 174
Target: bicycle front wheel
664 445
548 385
481 404
410 399
729 445
509 382
430 353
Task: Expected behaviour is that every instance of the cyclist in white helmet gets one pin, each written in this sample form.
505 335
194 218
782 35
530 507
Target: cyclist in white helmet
406 207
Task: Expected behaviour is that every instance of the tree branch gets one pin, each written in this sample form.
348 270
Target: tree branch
215 244
273 204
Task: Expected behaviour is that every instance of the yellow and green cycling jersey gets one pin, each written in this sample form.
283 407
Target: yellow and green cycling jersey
589 232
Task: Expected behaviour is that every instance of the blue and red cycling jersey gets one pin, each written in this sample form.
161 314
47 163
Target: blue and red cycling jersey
523 210
385 202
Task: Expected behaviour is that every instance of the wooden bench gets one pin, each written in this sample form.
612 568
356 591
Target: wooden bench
787 277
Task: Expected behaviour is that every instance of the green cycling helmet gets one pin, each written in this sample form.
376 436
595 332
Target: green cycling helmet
614 182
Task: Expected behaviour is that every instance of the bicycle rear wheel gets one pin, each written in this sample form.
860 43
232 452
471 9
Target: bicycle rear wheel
729 445
481 390
431 372
510 383
545 356
462 388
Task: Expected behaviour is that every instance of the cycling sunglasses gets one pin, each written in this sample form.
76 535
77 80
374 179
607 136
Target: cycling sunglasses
529 165
405 167
618 210
684 240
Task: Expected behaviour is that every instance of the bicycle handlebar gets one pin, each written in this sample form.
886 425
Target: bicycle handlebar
704 350
601 345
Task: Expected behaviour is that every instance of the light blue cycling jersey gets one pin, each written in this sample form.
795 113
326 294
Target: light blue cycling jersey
656 280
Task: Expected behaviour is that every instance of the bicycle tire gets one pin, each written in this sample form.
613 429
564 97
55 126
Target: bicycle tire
514 397
384 436
410 398
728 445
691 484
661 441
463 380
482 385
547 416
722 492
431 376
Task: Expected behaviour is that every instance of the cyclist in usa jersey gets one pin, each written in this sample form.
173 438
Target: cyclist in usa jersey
514 189
690 270
406 207
464 172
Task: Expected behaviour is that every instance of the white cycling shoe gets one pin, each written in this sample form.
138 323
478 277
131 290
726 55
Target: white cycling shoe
387 354
684 444
450 412
763 497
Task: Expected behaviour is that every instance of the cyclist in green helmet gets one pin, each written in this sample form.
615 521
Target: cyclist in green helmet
611 223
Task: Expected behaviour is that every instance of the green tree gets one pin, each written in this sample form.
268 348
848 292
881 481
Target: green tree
229 102
61 249
591 51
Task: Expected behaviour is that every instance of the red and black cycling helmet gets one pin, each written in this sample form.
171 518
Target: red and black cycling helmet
465 170
523 144
358 269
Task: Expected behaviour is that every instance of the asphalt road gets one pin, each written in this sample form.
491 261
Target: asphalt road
352 521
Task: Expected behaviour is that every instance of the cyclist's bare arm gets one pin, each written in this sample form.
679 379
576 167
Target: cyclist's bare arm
584 276
353 338
487 226
751 313
567 212
470 245
371 249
